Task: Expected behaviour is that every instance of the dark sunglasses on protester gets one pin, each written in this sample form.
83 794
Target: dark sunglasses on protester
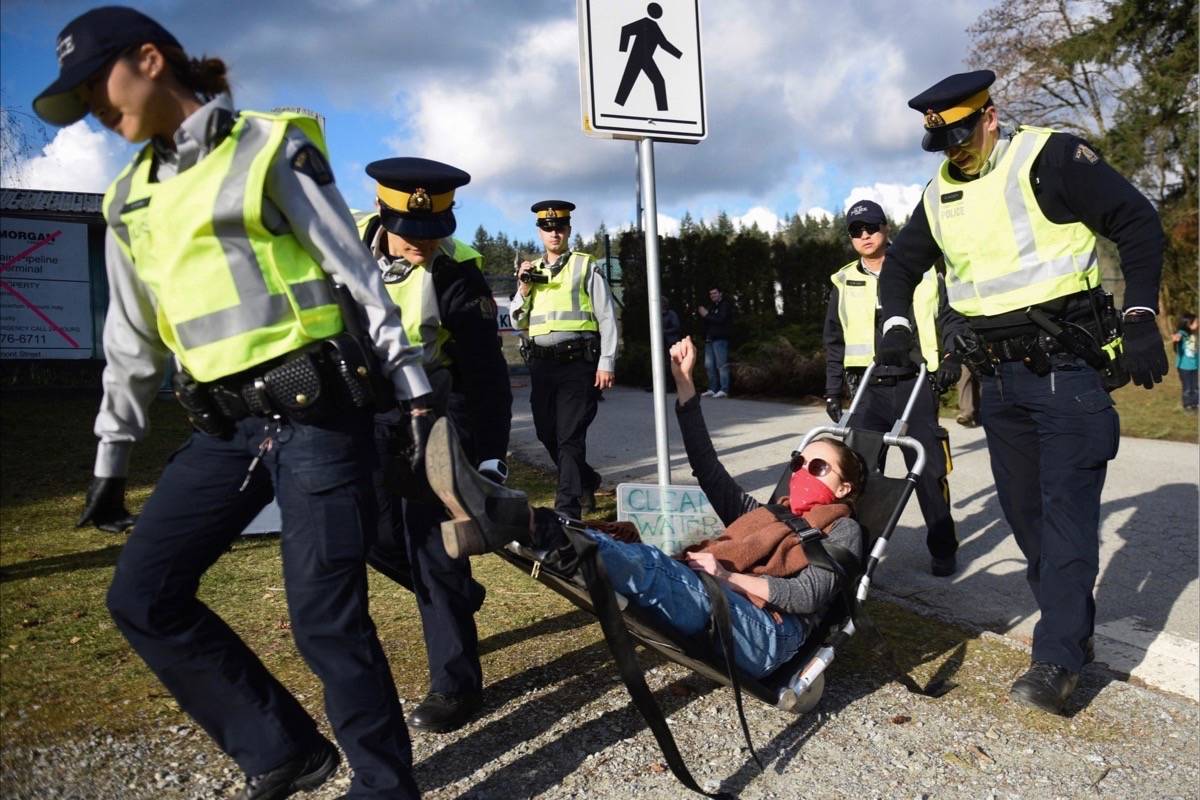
817 467
858 228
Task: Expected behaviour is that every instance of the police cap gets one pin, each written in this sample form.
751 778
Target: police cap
85 45
552 214
952 107
865 211
416 196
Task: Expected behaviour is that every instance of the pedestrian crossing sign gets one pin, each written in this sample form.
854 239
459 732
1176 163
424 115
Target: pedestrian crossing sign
640 71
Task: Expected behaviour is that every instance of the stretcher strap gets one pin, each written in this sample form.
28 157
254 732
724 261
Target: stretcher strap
723 630
604 605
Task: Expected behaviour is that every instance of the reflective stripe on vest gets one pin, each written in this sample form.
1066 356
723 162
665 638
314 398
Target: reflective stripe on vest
857 305
1002 253
563 304
267 298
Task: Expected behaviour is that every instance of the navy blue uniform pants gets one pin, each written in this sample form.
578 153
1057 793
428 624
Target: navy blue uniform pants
878 410
563 400
409 550
321 476
1050 439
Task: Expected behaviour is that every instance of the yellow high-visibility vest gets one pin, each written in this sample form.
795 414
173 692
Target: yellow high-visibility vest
1002 253
231 294
563 304
858 293
416 296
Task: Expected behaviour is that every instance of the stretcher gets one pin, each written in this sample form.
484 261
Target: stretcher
796 686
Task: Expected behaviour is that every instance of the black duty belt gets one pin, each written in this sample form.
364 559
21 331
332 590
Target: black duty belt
570 350
305 386
1019 348
883 380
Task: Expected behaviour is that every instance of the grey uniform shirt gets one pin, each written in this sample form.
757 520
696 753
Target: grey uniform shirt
317 216
602 308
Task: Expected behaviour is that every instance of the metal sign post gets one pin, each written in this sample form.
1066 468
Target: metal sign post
658 364
641 77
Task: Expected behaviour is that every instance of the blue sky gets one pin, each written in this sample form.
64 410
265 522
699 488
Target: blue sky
806 100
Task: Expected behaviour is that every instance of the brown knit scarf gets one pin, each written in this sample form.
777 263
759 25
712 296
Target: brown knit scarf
759 544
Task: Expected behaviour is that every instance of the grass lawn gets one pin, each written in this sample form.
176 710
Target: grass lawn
64 668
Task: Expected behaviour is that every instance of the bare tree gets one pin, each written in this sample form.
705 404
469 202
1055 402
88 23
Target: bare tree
1021 41
22 136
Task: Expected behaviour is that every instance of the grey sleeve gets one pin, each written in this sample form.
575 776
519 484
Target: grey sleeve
136 360
518 310
810 590
606 318
320 220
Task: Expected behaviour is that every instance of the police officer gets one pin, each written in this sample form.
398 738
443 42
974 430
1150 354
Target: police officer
224 232
447 309
851 330
1016 215
565 307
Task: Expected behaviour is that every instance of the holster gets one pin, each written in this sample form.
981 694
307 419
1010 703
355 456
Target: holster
202 412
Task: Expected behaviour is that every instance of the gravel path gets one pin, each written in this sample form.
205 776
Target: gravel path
863 741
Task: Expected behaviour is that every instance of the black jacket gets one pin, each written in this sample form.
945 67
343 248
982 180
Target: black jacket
719 322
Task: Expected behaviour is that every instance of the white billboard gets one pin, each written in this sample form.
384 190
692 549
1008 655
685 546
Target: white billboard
45 290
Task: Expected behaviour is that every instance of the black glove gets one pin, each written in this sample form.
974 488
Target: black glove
1143 351
895 348
833 407
104 506
948 373
420 421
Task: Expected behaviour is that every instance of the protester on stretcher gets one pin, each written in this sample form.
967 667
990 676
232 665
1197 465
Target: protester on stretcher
758 561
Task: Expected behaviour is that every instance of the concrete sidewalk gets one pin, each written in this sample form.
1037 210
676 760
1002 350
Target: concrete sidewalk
1148 594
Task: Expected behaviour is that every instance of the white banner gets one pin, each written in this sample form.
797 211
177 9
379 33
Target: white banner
45 290
668 517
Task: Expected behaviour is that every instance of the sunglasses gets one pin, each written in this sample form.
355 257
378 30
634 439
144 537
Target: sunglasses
859 228
817 467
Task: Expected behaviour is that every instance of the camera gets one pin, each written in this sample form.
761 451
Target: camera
533 276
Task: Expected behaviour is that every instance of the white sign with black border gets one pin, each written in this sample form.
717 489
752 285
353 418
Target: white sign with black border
640 70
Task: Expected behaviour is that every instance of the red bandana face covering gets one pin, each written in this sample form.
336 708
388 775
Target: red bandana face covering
805 490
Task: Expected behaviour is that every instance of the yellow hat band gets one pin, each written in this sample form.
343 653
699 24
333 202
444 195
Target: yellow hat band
418 201
938 119
554 213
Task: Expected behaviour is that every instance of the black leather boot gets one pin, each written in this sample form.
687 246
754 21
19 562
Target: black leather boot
484 515
1045 686
301 774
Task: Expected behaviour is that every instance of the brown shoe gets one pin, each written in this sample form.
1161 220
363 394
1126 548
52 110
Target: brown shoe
484 515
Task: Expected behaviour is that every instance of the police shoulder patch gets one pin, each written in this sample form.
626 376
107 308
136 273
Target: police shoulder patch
1085 154
311 162
487 307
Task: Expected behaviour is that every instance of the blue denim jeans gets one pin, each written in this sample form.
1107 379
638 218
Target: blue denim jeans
1187 379
716 363
674 594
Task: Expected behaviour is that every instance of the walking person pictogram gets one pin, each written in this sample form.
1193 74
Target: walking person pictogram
647 37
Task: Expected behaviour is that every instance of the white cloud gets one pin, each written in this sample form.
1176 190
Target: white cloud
898 199
819 214
667 225
78 159
766 219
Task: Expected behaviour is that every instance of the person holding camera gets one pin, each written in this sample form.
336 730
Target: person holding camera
851 332
225 234
565 308
447 309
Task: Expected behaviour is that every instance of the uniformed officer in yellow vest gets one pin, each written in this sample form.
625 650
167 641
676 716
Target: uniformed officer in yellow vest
564 306
447 309
852 327
1015 214
225 233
